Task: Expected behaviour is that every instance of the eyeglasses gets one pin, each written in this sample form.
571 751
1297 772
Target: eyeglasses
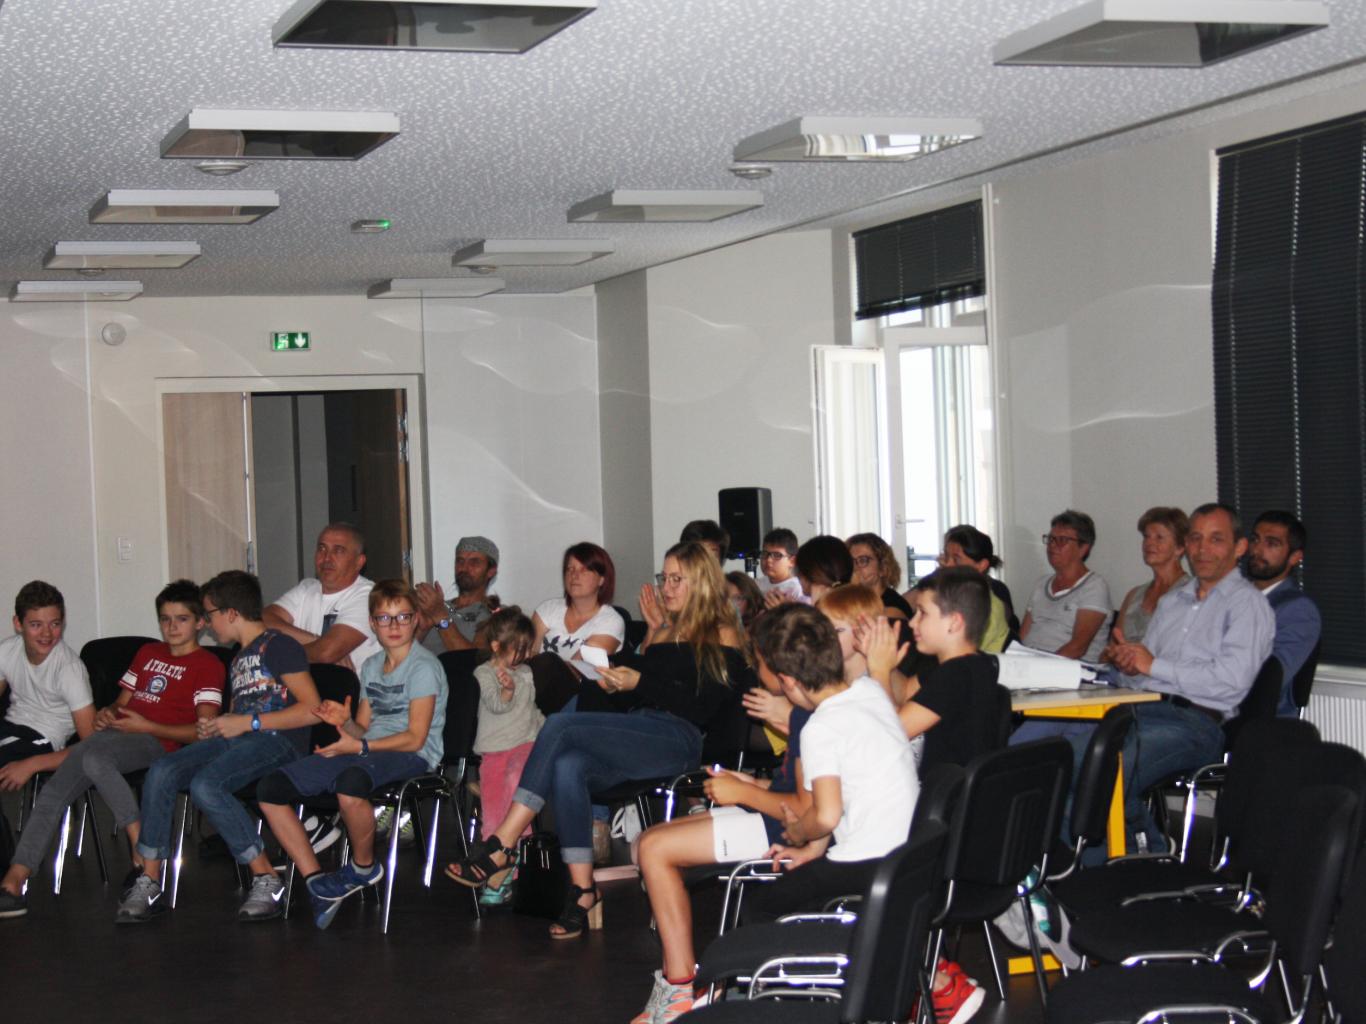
209 613
402 618
672 580
1052 540
772 555
863 561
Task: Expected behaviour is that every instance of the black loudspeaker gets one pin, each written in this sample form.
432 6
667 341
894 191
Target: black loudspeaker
746 514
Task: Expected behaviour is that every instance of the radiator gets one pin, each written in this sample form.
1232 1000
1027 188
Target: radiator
1339 711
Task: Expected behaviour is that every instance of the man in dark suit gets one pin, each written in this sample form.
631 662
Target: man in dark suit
1277 547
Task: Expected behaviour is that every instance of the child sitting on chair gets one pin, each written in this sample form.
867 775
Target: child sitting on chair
508 723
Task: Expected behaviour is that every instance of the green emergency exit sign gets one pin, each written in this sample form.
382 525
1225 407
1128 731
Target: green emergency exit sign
290 341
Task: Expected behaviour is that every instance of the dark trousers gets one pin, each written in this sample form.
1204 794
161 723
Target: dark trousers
807 888
18 742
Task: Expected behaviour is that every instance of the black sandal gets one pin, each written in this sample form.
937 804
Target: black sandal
575 915
477 868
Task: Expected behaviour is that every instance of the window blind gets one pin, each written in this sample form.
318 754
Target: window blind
921 261
1289 362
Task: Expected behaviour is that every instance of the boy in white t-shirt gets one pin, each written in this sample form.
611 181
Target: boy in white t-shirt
48 686
778 563
856 762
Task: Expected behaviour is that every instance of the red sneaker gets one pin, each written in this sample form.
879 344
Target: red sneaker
957 1001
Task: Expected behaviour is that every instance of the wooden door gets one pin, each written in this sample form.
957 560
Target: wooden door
208 499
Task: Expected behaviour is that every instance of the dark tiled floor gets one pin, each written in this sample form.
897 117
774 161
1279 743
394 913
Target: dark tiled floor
67 958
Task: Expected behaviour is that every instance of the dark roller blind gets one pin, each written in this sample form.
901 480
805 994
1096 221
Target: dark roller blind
1289 363
921 261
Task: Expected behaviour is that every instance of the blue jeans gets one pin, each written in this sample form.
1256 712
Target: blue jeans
601 812
1165 740
213 770
579 754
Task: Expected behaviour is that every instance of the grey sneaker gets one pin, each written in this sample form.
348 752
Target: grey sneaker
384 821
265 899
143 902
12 905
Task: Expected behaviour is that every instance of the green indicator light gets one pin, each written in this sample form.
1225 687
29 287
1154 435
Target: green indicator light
290 341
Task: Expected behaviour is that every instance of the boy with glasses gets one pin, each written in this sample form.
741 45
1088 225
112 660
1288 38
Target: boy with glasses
778 564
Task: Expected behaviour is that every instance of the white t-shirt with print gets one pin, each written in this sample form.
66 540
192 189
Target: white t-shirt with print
857 736
43 696
316 612
558 640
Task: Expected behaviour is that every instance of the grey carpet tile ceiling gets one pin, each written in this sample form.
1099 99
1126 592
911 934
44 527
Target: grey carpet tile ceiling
640 94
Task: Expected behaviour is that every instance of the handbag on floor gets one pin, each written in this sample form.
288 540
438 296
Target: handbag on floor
542 878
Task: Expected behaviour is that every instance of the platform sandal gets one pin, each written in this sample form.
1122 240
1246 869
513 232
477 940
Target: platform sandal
477 868
575 916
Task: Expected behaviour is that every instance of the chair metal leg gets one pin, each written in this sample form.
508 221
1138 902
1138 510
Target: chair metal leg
1034 953
59 860
292 870
431 845
177 862
391 868
95 837
80 829
995 959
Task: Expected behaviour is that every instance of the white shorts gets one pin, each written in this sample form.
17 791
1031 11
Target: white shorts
737 834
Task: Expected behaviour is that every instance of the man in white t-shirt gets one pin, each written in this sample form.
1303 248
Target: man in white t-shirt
856 761
330 615
48 686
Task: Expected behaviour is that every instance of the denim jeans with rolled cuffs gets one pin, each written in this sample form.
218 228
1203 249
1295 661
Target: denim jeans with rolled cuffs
583 753
213 770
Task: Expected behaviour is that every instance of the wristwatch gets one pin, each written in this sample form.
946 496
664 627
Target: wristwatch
256 721
446 622
364 747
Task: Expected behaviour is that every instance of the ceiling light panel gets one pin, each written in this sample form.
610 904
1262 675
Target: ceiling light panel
625 206
490 26
1160 33
278 134
435 287
75 291
183 206
532 252
120 255
857 138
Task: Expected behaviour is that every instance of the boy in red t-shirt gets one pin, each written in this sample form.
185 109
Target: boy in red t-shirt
167 688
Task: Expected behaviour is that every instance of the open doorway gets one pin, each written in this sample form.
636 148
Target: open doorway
281 466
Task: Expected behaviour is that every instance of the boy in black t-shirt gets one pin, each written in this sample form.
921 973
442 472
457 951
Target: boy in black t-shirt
957 704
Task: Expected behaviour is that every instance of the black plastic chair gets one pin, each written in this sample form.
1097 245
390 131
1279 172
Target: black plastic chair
1342 962
1303 887
876 968
106 659
1302 686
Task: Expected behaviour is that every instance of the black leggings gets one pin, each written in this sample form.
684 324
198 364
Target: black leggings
277 788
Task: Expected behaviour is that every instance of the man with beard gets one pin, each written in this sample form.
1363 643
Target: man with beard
1276 548
455 625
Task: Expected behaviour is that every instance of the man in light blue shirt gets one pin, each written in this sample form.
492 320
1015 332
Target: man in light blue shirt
1205 644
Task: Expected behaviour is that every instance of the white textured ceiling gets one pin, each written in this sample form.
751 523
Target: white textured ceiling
639 94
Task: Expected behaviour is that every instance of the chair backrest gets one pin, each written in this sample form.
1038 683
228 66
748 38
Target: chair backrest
106 660
1305 879
1095 782
728 736
635 630
462 705
1343 960
1004 717
1261 701
1248 761
556 683
1302 686
334 683
887 949
941 787
1008 814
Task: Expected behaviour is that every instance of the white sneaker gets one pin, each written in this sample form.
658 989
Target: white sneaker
265 899
323 832
142 902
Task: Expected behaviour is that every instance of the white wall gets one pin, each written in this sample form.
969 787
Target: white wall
46 506
1101 305
730 377
512 421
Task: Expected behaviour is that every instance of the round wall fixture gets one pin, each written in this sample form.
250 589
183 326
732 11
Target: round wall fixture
113 334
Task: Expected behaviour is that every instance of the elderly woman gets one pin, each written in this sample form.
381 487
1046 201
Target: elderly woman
637 723
1164 542
584 616
876 567
1068 609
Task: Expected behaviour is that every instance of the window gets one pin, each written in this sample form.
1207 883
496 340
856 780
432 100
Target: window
1289 362
851 427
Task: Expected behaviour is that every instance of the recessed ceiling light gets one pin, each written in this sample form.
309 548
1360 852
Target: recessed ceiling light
485 26
373 226
120 255
183 206
279 134
435 287
532 252
857 138
1159 33
637 205
75 291
751 172
221 168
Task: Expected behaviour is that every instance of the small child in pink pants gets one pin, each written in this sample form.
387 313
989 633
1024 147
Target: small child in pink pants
508 722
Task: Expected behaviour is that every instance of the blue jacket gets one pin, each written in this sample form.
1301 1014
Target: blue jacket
1298 626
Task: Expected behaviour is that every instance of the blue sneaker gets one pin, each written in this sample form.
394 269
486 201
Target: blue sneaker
326 892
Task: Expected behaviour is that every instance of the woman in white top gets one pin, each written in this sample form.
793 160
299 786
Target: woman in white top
584 616
1068 609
